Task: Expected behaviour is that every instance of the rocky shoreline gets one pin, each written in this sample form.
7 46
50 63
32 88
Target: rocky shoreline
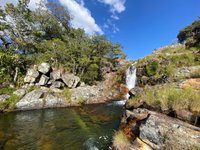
48 87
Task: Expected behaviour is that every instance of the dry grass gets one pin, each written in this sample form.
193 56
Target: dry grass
120 141
169 97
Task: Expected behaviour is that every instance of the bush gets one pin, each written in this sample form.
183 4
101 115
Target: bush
120 141
151 68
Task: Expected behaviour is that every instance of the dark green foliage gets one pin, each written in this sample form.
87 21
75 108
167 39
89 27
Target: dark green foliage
190 34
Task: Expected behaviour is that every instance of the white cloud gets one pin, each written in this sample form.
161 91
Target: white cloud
116 6
32 5
81 16
3 2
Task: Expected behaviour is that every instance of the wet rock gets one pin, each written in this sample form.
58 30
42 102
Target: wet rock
43 80
20 92
44 68
70 80
32 100
54 101
57 84
31 76
55 75
4 97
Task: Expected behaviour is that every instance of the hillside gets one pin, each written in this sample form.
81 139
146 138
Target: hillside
167 95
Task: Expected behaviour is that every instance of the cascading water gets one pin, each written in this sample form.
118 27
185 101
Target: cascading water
131 77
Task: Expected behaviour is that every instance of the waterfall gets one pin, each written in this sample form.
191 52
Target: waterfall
131 78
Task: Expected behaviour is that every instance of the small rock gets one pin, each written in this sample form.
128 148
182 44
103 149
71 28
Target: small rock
4 97
43 80
20 92
31 76
57 84
82 84
44 68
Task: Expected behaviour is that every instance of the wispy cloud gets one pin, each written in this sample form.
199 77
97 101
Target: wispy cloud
33 4
116 6
81 16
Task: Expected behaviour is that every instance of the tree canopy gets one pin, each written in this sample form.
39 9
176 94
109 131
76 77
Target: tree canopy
45 35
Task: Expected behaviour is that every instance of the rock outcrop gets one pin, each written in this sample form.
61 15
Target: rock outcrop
44 75
159 131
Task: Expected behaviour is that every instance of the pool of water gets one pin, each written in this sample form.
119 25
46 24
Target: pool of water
79 128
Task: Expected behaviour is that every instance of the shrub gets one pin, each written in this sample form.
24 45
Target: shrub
151 68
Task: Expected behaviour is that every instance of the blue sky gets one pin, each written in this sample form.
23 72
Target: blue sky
140 26
146 24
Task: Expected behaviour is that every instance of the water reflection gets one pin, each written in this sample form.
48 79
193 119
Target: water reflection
90 127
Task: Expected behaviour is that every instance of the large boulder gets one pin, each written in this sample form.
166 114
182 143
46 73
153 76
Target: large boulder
4 97
162 132
44 68
32 100
70 80
43 80
55 75
54 101
31 76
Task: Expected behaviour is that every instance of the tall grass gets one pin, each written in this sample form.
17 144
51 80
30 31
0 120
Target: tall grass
169 97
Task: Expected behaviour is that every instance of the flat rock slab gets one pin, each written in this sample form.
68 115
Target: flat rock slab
31 100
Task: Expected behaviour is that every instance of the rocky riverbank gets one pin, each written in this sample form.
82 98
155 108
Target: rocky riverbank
48 87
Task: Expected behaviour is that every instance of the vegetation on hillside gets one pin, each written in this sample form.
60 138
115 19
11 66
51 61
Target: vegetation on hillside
45 35
190 35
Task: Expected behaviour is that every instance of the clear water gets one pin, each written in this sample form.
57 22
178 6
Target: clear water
80 128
